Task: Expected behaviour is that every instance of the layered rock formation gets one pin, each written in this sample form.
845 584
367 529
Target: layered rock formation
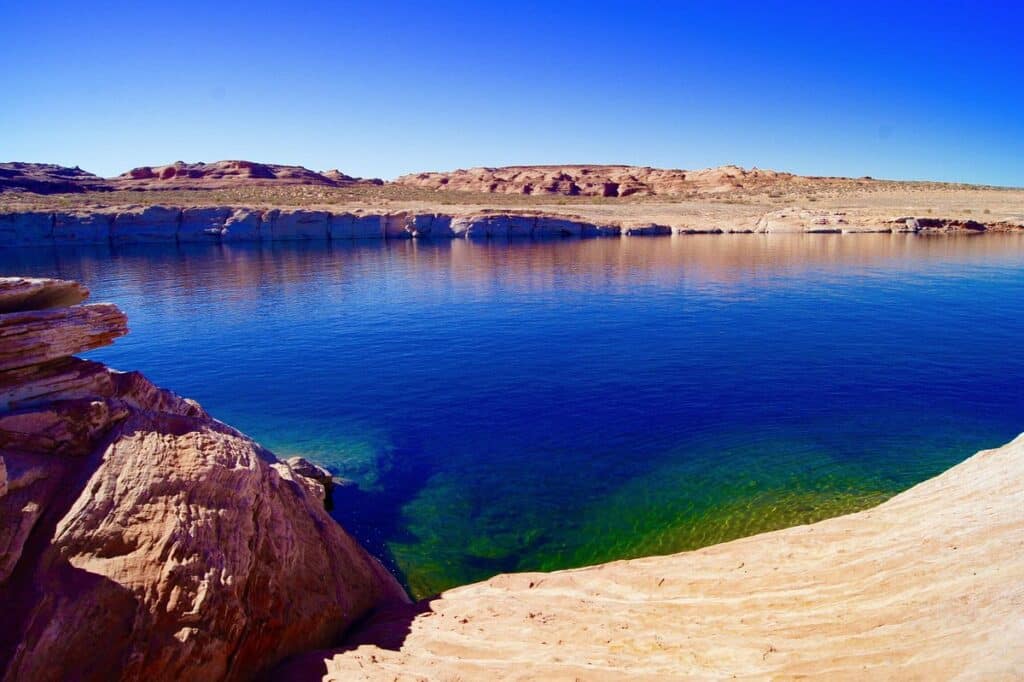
139 537
225 175
929 585
608 180
43 178
798 220
46 178
156 224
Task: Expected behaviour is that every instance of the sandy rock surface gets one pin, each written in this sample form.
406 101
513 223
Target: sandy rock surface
928 586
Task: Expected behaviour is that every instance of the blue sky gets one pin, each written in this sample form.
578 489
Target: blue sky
899 90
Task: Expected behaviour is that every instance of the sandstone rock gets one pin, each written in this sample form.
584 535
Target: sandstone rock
18 294
317 480
549 226
295 225
651 230
31 483
600 180
82 228
368 227
434 225
928 585
196 561
224 175
142 539
242 225
64 379
807 221
29 228
202 224
398 226
36 336
150 224
46 178
339 226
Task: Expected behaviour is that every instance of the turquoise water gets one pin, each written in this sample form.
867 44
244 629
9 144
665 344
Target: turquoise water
541 405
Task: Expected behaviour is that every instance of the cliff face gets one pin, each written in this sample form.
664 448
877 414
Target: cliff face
223 224
928 586
139 537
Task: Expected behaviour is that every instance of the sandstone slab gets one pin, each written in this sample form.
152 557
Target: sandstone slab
33 293
34 337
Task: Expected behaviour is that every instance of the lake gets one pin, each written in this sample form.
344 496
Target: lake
504 406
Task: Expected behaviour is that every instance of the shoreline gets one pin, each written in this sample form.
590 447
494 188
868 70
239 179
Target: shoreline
163 224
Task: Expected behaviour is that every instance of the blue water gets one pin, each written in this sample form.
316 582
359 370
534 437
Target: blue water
542 405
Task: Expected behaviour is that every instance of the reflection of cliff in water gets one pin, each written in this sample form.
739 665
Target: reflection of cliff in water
732 261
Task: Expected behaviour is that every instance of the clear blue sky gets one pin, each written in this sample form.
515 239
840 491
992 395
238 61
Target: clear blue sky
893 89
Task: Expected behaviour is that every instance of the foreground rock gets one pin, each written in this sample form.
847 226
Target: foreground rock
141 539
929 585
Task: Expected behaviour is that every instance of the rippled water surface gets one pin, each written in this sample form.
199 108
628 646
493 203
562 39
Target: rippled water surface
542 405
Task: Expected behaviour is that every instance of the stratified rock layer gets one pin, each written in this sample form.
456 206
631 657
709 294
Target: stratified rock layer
140 539
33 337
927 586
23 293
605 180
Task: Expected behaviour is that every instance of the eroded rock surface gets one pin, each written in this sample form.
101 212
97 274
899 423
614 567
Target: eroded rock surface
604 180
225 174
141 539
48 178
927 586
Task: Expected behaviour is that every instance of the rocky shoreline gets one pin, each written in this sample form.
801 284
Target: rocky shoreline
139 537
163 224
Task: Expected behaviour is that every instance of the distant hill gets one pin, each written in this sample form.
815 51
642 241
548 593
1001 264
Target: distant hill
41 178
45 178
607 180
594 180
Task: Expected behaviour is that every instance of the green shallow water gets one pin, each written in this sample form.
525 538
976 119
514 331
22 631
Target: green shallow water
545 405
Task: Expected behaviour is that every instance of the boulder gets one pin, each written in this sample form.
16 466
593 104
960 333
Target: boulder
190 557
